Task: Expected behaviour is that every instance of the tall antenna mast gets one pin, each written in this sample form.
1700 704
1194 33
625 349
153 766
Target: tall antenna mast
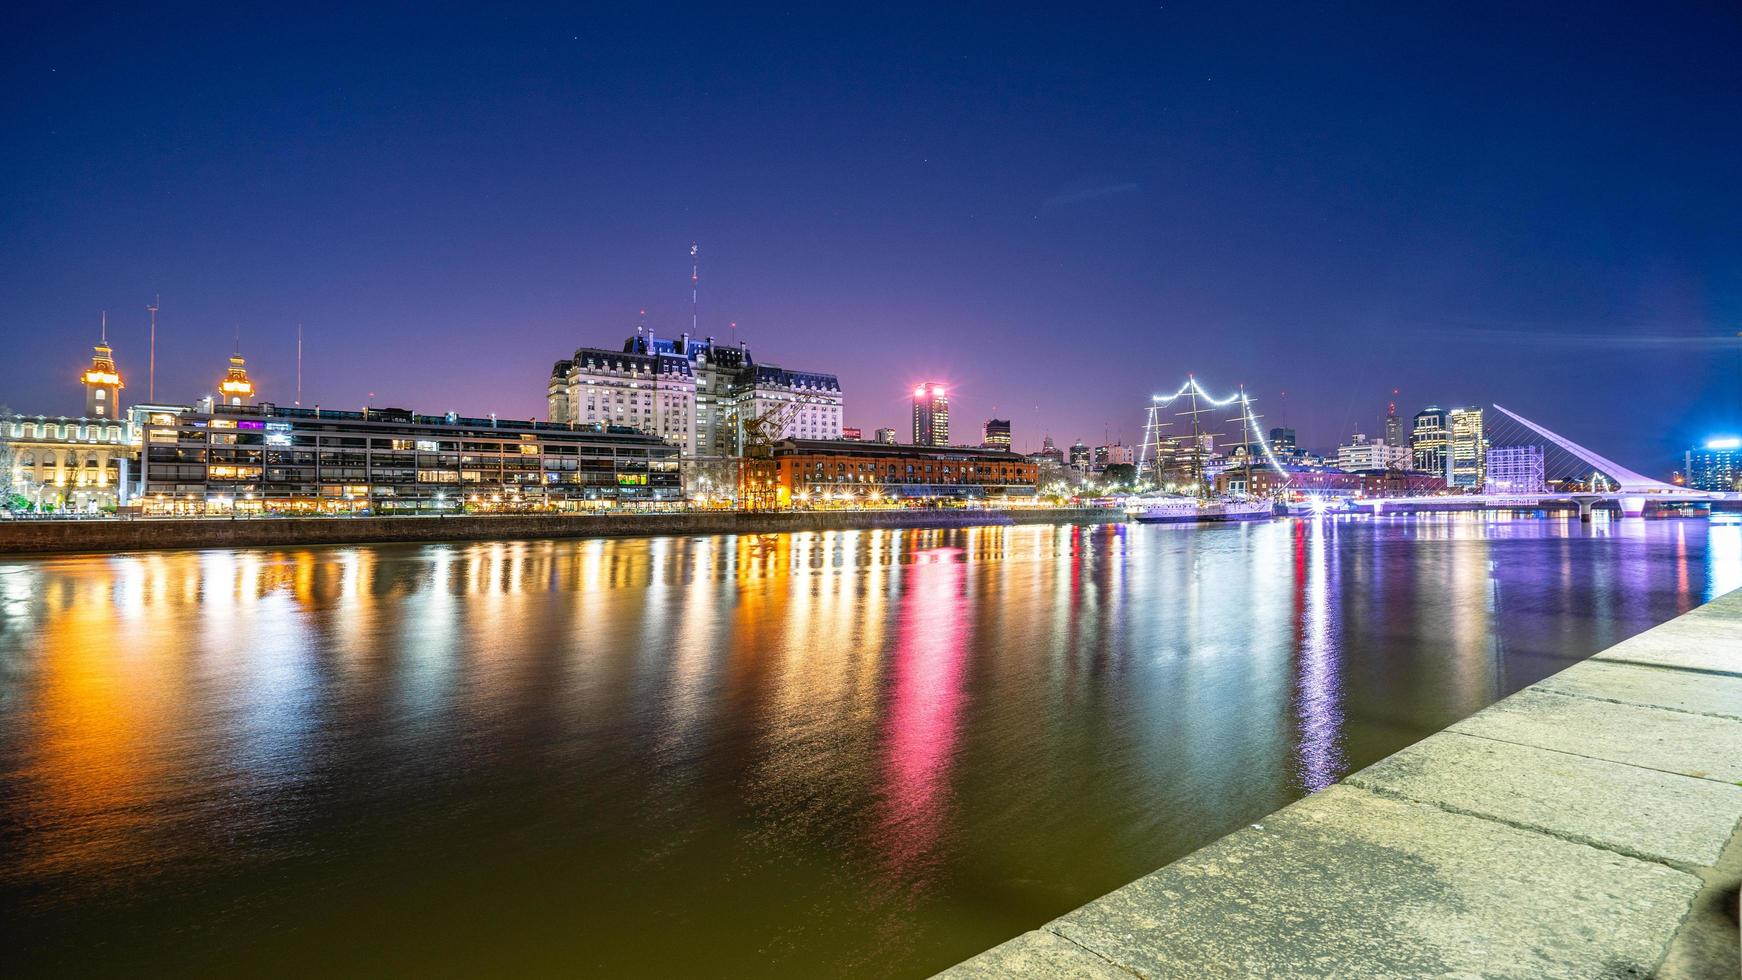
105 327
299 364
151 368
695 280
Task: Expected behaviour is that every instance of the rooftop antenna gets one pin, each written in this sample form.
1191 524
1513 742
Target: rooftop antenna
299 365
151 365
695 294
105 328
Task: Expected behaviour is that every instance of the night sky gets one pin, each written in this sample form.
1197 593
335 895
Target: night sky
1057 213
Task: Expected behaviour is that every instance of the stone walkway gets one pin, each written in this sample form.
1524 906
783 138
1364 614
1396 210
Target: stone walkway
1587 826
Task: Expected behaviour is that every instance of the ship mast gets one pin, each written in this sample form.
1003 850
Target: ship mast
1246 437
1197 463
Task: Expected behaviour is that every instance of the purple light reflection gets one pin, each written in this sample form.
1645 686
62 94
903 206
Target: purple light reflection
925 707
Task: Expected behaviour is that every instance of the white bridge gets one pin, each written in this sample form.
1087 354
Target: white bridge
1632 493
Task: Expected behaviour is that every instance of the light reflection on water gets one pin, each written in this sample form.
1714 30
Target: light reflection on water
841 752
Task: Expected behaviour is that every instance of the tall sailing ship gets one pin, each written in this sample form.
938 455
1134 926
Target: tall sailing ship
1199 504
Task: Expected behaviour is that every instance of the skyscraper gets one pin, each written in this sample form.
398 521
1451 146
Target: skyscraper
1469 449
1393 427
995 434
1717 465
931 415
1428 439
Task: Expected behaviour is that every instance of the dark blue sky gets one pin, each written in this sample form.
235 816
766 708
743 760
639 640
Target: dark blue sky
1058 212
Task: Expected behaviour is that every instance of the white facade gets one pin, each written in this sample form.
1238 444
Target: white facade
653 393
766 388
694 395
1366 454
65 464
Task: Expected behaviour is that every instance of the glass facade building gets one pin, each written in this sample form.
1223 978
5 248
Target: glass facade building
269 458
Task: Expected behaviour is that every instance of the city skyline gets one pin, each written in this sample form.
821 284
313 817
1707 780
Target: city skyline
1315 235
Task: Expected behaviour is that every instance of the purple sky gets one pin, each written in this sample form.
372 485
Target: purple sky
1057 214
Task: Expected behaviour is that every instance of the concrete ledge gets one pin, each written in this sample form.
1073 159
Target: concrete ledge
46 537
1349 883
1586 826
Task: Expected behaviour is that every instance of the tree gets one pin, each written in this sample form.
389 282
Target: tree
8 496
1119 474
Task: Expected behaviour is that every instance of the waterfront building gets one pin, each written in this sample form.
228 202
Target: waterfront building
886 436
695 395
65 464
269 458
995 434
1514 469
1468 449
1294 480
639 387
1715 465
1428 439
1363 454
71 464
1401 483
817 472
931 415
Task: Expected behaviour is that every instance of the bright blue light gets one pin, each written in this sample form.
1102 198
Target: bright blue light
1724 442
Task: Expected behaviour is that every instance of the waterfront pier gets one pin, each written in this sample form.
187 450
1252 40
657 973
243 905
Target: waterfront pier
1584 827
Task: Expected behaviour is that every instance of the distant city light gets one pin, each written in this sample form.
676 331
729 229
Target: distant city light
1724 442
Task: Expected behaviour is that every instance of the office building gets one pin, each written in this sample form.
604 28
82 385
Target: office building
995 434
268 458
1468 449
696 395
1394 434
931 415
1080 457
1049 451
1363 454
1514 469
1715 465
1428 441
851 432
886 436
1282 442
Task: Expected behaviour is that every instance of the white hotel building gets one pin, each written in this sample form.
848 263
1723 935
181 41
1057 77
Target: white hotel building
690 393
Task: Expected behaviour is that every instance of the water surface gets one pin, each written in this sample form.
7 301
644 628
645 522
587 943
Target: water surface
853 753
